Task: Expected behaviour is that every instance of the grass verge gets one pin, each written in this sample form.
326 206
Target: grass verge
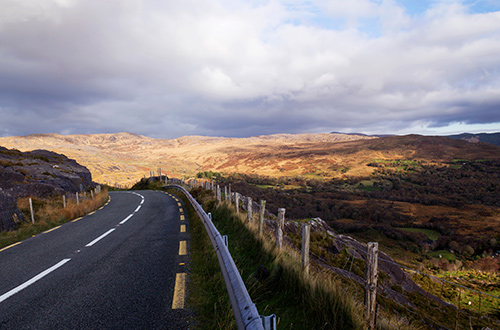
49 214
274 280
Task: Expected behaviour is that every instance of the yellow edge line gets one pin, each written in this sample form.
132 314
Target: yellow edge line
182 248
183 228
48 231
77 219
179 291
8 247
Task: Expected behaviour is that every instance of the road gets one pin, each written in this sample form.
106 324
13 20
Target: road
118 268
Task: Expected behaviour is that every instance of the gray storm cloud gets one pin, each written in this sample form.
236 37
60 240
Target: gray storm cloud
173 68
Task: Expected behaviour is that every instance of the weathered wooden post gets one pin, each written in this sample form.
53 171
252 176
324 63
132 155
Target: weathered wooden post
77 199
237 202
262 211
249 209
279 230
32 213
306 240
64 201
371 274
92 194
230 196
218 194
225 193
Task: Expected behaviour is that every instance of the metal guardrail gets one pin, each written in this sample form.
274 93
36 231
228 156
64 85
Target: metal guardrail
244 310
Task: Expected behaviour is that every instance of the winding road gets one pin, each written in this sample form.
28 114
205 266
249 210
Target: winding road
122 267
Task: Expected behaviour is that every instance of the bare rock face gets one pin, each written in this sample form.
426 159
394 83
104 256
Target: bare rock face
40 173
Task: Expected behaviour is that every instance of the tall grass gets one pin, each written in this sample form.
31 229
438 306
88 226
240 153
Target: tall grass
49 213
276 282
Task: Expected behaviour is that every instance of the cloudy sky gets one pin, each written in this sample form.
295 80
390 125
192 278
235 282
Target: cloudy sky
166 68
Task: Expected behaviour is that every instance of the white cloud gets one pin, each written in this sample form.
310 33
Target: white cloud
366 65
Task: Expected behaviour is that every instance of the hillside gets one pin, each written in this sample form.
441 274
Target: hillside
493 138
124 158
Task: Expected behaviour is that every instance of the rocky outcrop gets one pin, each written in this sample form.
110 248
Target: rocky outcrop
37 173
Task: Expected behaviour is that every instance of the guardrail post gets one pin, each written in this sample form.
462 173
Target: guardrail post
279 230
306 240
249 209
269 322
371 284
262 210
237 202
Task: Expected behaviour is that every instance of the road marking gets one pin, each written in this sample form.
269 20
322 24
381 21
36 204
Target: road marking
183 228
181 264
182 217
181 210
100 237
179 291
80 218
137 209
182 248
91 213
126 219
8 247
142 202
179 204
33 280
48 231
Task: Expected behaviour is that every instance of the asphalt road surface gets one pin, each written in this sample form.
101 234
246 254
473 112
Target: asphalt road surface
122 267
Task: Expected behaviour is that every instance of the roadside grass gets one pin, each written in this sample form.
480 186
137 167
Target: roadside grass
275 281
207 296
49 214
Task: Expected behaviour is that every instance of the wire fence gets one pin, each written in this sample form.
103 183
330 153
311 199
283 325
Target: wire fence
448 303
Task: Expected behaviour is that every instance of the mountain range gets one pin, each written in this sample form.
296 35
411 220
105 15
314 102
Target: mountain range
124 158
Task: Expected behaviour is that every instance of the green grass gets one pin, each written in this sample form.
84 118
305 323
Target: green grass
299 301
444 254
431 234
207 295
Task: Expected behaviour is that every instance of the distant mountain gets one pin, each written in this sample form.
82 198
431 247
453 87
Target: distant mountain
493 138
124 158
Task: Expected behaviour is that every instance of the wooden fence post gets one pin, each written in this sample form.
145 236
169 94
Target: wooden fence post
237 202
230 196
32 213
249 209
77 199
306 241
225 193
371 274
64 201
279 230
262 210
218 194
92 194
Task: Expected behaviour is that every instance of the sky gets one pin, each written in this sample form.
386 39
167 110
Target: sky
166 69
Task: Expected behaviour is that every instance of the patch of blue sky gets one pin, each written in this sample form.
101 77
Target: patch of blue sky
418 7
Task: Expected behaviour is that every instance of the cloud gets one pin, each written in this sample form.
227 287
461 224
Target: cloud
240 68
